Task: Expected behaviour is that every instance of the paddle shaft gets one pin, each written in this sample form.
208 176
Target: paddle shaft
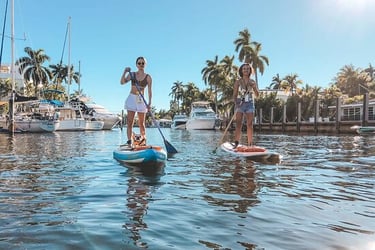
169 147
225 131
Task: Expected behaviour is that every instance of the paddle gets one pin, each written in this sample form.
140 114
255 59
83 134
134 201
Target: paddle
168 146
225 131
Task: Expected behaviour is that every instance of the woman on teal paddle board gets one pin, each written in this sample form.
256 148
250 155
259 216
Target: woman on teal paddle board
244 93
134 103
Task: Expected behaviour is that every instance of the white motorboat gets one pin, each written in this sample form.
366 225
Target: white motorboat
98 112
201 116
179 121
69 120
93 111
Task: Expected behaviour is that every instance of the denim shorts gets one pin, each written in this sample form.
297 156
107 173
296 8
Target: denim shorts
245 107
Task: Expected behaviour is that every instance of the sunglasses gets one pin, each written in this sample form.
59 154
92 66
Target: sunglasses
141 63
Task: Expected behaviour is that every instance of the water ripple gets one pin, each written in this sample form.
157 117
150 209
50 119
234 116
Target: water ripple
65 191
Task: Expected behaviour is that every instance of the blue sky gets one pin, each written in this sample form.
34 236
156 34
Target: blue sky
312 38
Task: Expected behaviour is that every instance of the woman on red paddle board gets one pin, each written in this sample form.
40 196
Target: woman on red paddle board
244 93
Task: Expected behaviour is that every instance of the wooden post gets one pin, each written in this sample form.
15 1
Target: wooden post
284 117
365 109
317 102
271 118
260 119
298 117
338 114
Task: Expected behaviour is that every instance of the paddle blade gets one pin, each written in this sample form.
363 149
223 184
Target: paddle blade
214 151
170 148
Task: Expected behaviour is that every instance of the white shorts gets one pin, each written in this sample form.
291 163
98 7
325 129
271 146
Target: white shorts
135 103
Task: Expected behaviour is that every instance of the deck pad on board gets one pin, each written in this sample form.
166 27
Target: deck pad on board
246 151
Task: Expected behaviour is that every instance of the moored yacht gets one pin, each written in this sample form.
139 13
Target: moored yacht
179 121
69 121
201 116
93 111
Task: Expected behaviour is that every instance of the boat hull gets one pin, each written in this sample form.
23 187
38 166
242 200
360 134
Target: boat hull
147 157
202 124
94 125
49 126
32 125
98 112
366 130
72 125
179 127
179 121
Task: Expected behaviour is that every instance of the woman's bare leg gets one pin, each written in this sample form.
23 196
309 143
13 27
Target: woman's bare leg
130 122
142 124
249 128
237 134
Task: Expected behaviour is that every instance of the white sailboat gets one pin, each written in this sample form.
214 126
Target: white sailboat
70 116
39 119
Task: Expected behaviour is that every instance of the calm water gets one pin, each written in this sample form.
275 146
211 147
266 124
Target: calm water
65 191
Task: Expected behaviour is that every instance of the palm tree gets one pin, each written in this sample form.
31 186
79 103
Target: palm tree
308 96
249 52
210 71
329 98
74 75
290 83
32 69
243 43
191 94
370 71
59 73
177 93
257 61
228 77
276 82
352 81
210 75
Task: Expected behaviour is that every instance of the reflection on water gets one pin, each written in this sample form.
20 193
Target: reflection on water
65 191
236 190
138 195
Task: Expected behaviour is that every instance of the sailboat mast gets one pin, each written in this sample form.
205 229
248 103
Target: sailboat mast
13 70
79 78
69 71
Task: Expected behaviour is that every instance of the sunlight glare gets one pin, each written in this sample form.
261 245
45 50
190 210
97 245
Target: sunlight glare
353 6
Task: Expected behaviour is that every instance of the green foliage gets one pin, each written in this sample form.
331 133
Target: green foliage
266 102
5 87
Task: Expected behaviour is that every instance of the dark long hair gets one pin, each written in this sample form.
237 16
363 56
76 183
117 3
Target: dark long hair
240 69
